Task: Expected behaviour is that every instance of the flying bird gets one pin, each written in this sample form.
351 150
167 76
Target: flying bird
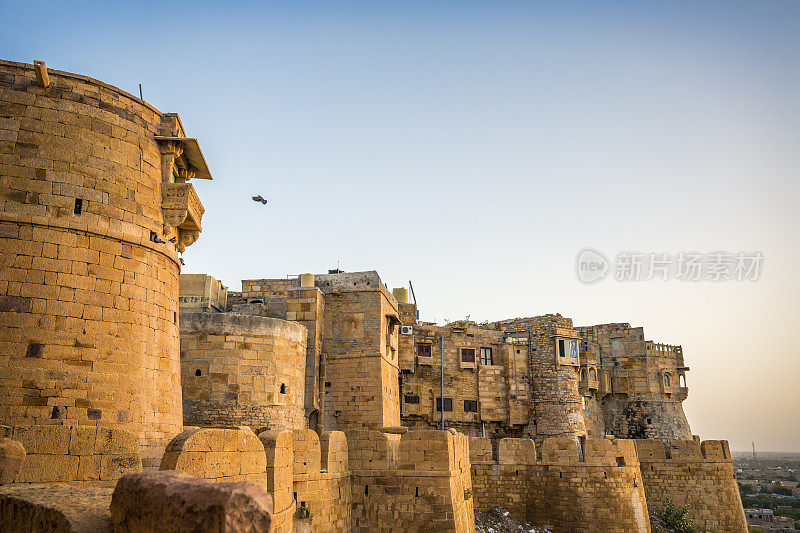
259 198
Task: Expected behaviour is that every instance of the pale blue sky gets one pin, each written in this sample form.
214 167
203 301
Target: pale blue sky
475 148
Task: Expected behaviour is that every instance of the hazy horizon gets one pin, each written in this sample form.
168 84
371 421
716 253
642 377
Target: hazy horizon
475 149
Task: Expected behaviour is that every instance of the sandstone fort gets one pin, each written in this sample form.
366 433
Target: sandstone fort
135 398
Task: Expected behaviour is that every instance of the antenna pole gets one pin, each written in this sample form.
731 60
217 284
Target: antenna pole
412 292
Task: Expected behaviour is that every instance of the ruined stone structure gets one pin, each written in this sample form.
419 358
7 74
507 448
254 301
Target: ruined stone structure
95 207
315 401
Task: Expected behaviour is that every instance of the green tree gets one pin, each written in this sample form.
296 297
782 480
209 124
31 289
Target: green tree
676 518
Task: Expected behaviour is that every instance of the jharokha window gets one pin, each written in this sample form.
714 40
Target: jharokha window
467 355
423 350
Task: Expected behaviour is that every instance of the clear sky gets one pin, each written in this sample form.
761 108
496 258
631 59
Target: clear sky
475 148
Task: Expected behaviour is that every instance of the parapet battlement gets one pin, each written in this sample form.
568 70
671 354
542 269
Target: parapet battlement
712 451
554 451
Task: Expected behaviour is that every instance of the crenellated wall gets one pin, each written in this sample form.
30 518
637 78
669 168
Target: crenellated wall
305 470
696 474
565 490
218 454
419 481
321 481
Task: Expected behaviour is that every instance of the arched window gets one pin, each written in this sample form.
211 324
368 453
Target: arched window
283 388
583 374
592 374
682 380
667 380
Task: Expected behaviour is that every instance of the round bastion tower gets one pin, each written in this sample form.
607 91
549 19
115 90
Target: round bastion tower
95 207
556 407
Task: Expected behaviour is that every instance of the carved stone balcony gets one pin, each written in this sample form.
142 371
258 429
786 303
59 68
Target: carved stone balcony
182 212
587 386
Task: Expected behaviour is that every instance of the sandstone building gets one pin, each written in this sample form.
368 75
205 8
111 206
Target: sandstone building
341 410
541 377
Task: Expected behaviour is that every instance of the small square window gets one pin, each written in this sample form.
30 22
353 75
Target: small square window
470 406
568 348
448 404
423 350
467 355
411 398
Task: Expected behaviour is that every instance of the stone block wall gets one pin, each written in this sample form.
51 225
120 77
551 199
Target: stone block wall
88 299
696 474
242 370
279 450
199 292
306 306
218 454
361 378
565 490
325 491
305 470
429 489
78 455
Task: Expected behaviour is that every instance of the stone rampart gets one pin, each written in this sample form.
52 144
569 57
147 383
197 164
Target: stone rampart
696 474
218 454
78 455
428 482
566 489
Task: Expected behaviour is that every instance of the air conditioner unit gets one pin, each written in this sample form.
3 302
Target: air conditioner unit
406 330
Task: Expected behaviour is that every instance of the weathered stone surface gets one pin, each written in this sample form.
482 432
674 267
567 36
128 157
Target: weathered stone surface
55 507
12 454
87 455
218 454
78 248
167 501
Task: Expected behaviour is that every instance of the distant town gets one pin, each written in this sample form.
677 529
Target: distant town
768 484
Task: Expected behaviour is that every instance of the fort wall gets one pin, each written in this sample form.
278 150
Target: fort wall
321 480
77 455
422 476
218 454
565 490
242 370
696 474
89 277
